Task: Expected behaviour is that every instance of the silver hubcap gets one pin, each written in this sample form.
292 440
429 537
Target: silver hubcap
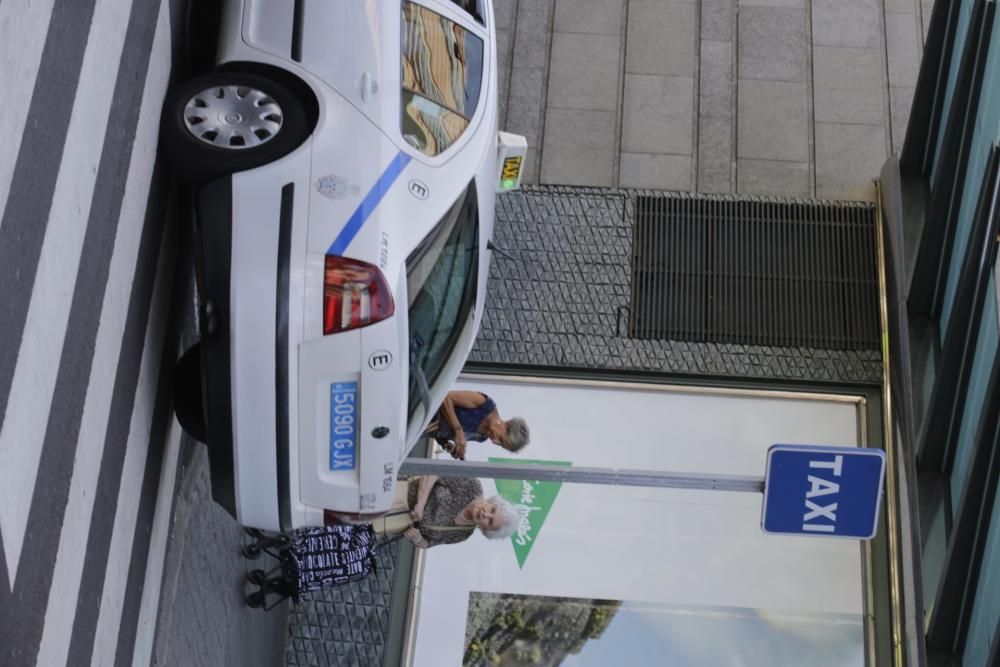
233 117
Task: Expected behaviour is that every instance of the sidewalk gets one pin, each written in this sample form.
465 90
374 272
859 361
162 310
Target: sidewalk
203 619
798 98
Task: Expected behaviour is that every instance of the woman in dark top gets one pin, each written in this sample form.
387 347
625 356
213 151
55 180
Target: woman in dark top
449 509
471 415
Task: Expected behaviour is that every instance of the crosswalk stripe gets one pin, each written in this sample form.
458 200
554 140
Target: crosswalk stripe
124 115
22 22
73 538
149 606
26 209
155 501
22 613
23 428
23 226
119 550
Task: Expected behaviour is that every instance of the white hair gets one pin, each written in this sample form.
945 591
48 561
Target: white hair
507 517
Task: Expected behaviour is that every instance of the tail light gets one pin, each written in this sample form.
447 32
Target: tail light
355 294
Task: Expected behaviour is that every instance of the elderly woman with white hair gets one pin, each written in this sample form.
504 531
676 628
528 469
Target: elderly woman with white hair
446 510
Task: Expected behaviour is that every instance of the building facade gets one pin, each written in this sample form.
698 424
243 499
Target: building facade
941 198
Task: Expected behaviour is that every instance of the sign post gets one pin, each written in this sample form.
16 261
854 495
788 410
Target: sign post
808 490
560 473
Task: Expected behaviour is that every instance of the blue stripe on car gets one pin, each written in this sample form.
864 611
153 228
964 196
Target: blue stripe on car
368 204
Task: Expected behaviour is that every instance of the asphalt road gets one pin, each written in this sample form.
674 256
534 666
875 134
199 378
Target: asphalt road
103 504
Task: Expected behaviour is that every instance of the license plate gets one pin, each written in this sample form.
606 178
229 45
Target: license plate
343 425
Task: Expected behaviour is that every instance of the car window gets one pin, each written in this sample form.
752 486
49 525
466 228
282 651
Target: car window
441 279
442 69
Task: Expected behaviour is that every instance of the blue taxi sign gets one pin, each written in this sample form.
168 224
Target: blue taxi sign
823 491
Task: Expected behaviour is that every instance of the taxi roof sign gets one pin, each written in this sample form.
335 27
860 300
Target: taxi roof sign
512 149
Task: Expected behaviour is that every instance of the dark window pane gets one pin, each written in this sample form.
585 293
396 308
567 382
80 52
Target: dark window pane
441 277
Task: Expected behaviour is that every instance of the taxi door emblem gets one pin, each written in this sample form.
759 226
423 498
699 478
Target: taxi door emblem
380 360
336 187
419 189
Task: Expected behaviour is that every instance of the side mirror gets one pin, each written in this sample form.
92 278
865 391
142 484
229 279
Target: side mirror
511 152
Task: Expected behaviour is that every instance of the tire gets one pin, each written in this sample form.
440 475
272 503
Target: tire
255 600
256 577
188 393
251 551
229 121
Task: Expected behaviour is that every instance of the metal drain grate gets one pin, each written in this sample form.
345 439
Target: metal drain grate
781 274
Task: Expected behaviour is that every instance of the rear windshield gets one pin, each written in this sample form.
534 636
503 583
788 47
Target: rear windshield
442 69
441 279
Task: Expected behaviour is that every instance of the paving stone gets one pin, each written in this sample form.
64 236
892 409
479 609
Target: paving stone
773 121
584 72
773 44
848 85
658 114
503 13
715 139
578 147
902 7
505 46
344 625
502 112
661 38
524 104
534 31
840 23
900 103
717 79
596 17
656 171
715 155
205 581
903 49
772 177
848 159
797 4
717 20
715 177
862 5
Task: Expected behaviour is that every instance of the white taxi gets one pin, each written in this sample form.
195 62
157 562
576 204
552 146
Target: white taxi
346 157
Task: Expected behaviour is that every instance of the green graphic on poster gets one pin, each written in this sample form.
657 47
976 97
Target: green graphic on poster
533 500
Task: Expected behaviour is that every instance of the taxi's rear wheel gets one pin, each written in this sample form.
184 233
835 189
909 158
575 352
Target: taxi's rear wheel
229 121
187 394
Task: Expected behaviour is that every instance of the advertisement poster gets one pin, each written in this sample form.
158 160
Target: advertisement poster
514 630
636 569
